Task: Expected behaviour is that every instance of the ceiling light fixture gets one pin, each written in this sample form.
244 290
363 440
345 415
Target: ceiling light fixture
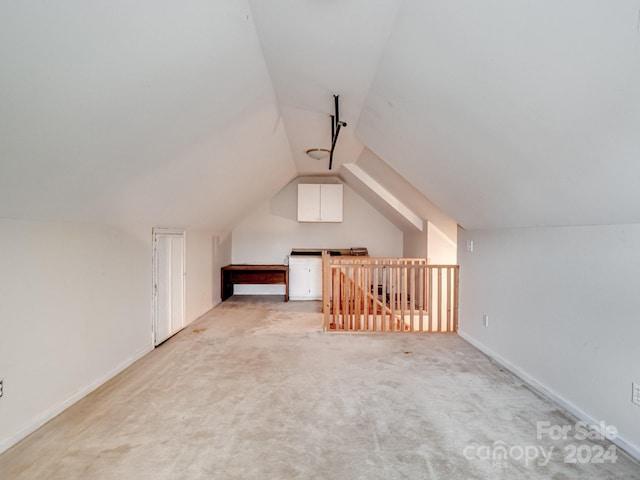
336 125
318 153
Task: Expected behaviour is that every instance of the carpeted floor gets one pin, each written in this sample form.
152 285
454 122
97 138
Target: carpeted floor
255 390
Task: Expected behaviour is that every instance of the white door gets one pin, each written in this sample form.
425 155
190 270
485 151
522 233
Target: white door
169 288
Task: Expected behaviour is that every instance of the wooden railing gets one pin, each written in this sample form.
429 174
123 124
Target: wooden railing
389 295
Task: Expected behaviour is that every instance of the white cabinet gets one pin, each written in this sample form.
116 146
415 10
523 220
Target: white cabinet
305 278
320 202
331 202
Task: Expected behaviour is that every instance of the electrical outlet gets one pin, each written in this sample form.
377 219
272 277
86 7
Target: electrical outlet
485 320
1 388
635 393
469 245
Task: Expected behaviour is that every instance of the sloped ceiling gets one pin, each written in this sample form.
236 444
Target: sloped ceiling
503 113
513 113
150 111
316 49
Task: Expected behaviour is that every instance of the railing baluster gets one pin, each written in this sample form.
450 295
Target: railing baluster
337 291
421 299
404 296
367 299
357 285
412 298
439 300
449 291
392 298
345 299
456 290
350 297
375 291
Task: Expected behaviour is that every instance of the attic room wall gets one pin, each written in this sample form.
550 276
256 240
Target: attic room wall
441 249
76 310
563 309
269 233
432 244
207 252
414 244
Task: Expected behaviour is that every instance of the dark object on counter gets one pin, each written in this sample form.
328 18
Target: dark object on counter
317 252
336 252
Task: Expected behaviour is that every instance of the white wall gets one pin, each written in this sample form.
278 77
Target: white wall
441 249
269 233
563 308
76 309
207 252
414 244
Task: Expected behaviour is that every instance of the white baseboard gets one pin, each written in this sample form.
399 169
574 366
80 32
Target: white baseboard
630 448
7 443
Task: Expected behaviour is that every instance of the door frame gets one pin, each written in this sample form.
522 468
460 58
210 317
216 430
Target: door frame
155 233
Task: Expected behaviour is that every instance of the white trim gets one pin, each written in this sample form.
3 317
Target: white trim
628 447
169 231
62 406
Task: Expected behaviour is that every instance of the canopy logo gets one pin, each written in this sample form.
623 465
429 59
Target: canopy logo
581 443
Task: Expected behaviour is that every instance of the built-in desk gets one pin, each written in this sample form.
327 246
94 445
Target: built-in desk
253 275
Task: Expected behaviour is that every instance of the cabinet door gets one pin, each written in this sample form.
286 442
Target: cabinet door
331 202
305 278
298 280
315 279
308 202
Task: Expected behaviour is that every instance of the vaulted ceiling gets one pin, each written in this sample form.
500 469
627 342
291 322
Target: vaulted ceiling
503 113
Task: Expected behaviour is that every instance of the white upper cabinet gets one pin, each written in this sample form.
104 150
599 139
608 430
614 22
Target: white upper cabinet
320 202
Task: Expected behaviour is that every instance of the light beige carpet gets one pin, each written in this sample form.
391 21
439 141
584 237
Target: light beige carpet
255 390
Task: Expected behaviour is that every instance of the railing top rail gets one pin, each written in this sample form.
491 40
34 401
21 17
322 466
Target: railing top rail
386 265
366 260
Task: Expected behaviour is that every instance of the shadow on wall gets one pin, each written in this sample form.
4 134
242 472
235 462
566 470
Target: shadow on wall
220 257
